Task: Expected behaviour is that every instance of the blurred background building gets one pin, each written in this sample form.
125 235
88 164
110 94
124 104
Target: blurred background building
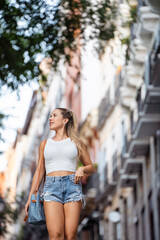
121 129
123 196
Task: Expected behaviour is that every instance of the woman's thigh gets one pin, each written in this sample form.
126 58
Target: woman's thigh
54 214
72 212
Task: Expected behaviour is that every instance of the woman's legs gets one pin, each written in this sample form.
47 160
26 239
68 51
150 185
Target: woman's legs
54 214
72 212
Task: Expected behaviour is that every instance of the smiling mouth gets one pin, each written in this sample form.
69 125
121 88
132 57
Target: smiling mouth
51 123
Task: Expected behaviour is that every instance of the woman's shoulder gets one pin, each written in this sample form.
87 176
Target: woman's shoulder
43 143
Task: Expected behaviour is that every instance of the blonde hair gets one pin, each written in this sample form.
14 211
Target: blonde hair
72 128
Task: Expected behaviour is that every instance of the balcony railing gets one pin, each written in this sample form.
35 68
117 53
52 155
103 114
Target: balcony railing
123 159
125 145
114 167
133 123
102 196
118 84
154 65
140 102
104 109
92 182
155 74
106 175
155 5
124 151
141 3
101 191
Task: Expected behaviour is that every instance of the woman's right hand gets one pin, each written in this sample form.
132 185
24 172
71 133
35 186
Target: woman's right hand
27 207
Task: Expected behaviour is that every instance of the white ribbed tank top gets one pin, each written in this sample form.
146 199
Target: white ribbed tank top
60 155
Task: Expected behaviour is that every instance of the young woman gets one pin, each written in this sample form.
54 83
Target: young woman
62 191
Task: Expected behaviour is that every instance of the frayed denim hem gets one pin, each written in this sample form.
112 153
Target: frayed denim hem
46 197
82 199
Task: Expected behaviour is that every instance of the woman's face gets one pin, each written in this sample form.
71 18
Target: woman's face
56 120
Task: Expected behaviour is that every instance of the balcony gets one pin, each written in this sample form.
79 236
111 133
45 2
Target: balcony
151 102
106 175
104 109
138 147
148 20
123 160
133 78
155 5
138 53
115 173
128 180
128 95
141 3
90 190
109 188
155 73
118 82
133 165
102 195
146 125
146 26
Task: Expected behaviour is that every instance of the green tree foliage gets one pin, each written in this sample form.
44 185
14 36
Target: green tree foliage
2 117
31 27
9 216
9 213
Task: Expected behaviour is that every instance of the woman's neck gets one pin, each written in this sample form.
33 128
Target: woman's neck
60 136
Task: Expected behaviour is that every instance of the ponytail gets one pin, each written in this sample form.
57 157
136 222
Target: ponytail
72 128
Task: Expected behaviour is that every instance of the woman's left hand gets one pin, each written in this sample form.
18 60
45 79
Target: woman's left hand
79 175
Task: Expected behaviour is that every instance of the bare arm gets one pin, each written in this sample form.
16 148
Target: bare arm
35 177
42 170
87 165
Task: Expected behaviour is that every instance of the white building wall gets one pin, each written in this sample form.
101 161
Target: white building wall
91 81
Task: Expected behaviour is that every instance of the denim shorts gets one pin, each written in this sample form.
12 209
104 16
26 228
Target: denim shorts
62 189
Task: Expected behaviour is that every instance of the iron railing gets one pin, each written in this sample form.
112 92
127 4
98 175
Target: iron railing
92 182
104 109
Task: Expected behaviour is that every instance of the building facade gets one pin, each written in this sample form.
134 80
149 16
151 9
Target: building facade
121 128
52 93
126 203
